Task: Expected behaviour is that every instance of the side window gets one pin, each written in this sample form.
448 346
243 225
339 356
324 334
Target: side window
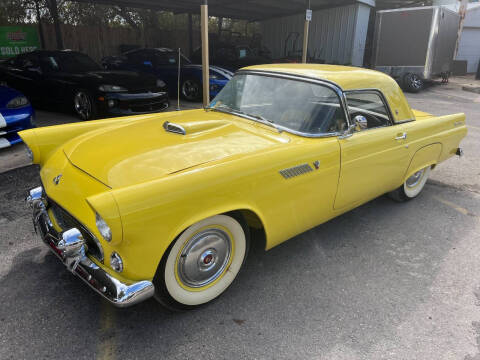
49 64
367 110
139 58
27 61
166 59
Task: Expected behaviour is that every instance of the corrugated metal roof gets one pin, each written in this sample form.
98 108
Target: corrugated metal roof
249 9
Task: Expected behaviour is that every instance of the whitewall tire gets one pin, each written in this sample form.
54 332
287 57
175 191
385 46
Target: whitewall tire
412 187
202 262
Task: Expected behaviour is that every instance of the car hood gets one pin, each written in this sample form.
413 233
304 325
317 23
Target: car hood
142 150
130 80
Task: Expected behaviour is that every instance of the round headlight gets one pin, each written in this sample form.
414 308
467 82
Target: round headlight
18 102
116 262
161 83
103 228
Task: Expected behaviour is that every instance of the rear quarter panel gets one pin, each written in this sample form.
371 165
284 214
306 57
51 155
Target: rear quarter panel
446 132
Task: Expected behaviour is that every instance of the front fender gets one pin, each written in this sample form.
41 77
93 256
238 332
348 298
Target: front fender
44 141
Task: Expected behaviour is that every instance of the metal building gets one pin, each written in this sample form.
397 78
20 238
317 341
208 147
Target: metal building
337 34
469 47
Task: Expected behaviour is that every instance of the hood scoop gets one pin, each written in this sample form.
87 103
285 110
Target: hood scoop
174 128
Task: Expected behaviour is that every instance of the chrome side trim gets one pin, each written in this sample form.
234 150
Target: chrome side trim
69 246
174 128
296 171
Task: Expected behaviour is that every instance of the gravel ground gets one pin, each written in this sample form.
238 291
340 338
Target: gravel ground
385 281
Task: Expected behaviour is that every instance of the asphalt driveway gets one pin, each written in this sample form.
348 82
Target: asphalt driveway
385 281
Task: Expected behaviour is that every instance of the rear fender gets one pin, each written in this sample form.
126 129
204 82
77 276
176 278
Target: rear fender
424 157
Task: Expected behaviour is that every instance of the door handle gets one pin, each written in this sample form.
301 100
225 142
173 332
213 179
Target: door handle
401 137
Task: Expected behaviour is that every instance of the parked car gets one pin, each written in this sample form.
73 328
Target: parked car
163 63
230 56
73 79
165 206
16 114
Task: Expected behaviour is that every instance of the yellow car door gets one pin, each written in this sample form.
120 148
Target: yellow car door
375 157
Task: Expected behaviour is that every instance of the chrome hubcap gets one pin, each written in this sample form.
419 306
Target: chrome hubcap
413 180
190 89
82 104
416 81
204 258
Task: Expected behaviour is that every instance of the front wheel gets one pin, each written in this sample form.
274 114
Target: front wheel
191 90
201 263
84 105
412 187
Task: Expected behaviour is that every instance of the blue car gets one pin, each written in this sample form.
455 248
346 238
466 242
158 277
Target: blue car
163 63
16 114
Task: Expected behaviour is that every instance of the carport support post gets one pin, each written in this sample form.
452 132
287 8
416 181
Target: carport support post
205 62
308 14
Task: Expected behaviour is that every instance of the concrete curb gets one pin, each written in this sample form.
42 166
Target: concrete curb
471 88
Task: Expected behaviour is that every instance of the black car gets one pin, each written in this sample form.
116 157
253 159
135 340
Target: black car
74 79
231 57
163 63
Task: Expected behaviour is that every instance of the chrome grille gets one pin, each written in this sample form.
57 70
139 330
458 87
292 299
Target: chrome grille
67 221
296 171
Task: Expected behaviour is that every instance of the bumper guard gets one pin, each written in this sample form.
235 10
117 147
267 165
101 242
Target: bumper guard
70 247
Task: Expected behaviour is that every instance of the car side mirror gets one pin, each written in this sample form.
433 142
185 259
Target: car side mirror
360 122
349 132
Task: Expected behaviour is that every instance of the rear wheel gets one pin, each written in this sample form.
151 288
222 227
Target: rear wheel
413 83
191 90
201 263
412 187
84 105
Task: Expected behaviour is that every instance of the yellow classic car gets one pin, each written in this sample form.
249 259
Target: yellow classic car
163 204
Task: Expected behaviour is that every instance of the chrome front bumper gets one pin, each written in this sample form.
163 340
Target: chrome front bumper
70 247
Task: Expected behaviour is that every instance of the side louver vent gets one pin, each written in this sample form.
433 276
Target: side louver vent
174 128
296 171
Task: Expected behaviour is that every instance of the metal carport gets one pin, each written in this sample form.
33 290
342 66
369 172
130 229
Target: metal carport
253 10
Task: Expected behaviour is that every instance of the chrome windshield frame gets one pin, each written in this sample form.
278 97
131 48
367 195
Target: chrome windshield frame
338 91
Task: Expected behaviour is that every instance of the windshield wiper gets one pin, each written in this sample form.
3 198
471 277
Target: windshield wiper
230 110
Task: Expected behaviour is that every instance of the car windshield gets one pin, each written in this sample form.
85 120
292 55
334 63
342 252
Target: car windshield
300 106
71 62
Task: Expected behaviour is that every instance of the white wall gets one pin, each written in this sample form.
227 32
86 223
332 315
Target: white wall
469 46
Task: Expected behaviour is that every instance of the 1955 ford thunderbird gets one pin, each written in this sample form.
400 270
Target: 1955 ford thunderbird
163 205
